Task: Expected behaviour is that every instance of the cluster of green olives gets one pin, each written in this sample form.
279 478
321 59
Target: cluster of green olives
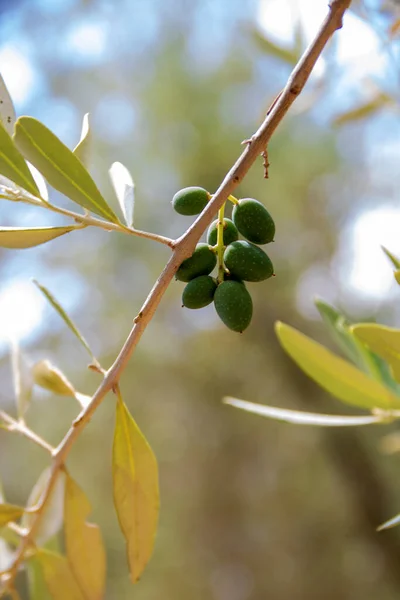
242 260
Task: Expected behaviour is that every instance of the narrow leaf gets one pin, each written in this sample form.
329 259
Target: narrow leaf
36 582
393 259
6 555
340 329
389 524
287 55
58 576
51 378
135 487
62 169
40 182
83 542
382 340
397 276
124 189
13 165
362 111
337 376
304 418
22 378
52 518
19 238
9 512
7 110
57 306
82 149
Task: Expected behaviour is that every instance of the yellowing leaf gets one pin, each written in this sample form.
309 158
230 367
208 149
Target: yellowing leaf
382 340
9 512
58 576
51 378
62 169
13 165
19 237
337 376
135 487
52 517
364 110
83 542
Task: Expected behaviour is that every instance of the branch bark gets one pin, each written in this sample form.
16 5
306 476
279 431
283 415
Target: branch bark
183 248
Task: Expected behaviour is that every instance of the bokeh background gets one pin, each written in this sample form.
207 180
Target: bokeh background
251 509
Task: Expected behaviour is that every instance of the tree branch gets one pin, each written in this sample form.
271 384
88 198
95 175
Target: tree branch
184 246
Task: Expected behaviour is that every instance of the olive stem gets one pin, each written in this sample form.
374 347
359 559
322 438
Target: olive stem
220 244
233 199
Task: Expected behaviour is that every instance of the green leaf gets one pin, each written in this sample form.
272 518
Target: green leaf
135 487
51 378
58 575
7 110
382 340
124 189
304 418
36 581
57 306
340 329
335 375
389 524
19 238
394 260
62 169
13 165
82 149
52 517
22 378
287 55
83 543
9 512
364 110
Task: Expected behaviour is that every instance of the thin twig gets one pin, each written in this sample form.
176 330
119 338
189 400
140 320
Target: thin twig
20 427
183 248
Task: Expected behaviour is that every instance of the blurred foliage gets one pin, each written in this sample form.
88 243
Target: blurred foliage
249 508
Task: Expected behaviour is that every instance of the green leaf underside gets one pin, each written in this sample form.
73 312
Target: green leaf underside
58 576
83 543
22 380
62 169
384 341
13 165
57 307
19 238
335 375
340 329
304 418
135 488
124 190
9 512
7 110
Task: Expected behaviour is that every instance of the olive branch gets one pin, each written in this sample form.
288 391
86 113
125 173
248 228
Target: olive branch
134 465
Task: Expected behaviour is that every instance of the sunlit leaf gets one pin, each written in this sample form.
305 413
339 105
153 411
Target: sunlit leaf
337 376
36 581
6 555
7 110
82 149
124 190
268 46
389 524
61 168
364 110
52 517
9 512
22 378
392 257
58 576
19 238
57 306
83 543
51 378
40 182
304 418
397 276
384 341
135 487
340 329
13 165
